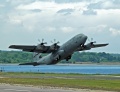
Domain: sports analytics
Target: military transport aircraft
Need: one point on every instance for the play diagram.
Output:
(55, 52)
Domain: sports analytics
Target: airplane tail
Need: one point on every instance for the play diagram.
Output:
(36, 56)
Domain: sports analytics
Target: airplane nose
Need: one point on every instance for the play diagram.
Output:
(84, 38)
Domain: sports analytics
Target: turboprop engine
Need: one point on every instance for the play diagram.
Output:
(41, 46)
(89, 45)
(54, 46)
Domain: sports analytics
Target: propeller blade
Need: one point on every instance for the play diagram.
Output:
(39, 40)
(54, 40)
(88, 39)
(51, 41)
(42, 40)
(41, 43)
(91, 39)
(58, 42)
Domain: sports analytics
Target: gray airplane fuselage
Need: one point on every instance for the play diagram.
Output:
(66, 50)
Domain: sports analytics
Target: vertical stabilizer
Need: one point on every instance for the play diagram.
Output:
(36, 56)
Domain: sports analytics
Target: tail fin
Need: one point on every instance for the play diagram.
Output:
(36, 56)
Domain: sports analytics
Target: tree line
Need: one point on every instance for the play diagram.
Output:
(21, 57)
(15, 57)
(95, 57)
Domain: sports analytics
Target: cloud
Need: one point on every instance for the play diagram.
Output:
(52, 6)
(50, 29)
(104, 30)
(36, 10)
(18, 2)
(67, 29)
(39, 5)
(97, 5)
(114, 32)
(65, 11)
(105, 4)
(2, 5)
(23, 22)
(89, 12)
(68, 1)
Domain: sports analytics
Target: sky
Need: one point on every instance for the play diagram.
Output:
(23, 22)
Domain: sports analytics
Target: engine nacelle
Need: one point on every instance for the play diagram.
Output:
(40, 47)
(88, 46)
(54, 47)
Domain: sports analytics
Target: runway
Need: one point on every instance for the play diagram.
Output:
(21, 88)
(18, 88)
(14, 87)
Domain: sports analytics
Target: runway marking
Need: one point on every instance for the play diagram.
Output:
(17, 90)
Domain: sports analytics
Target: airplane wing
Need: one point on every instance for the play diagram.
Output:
(91, 45)
(98, 45)
(30, 48)
(23, 47)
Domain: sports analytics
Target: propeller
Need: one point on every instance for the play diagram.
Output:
(54, 46)
(90, 44)
(91, 41)
(42, 42)
(55, 43)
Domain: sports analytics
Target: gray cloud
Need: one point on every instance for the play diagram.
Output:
(116, 1)
(68, 1)
(107, 4)
(66, 11)
(89, 12)
(17, 2)
(36, 10)
(97, 5)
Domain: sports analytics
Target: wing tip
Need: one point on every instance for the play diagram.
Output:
(11, 46)
(106, 44)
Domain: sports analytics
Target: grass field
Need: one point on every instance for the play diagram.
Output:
(107, 82)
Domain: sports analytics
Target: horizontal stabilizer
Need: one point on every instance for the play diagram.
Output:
(31, 63)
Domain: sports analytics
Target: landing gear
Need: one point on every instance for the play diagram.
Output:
(69, 57)
(58, 58)
(82, 46)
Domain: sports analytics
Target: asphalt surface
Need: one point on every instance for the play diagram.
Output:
(21, 88)
(18, 88)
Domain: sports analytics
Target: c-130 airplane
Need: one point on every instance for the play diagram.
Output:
(55, 52)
